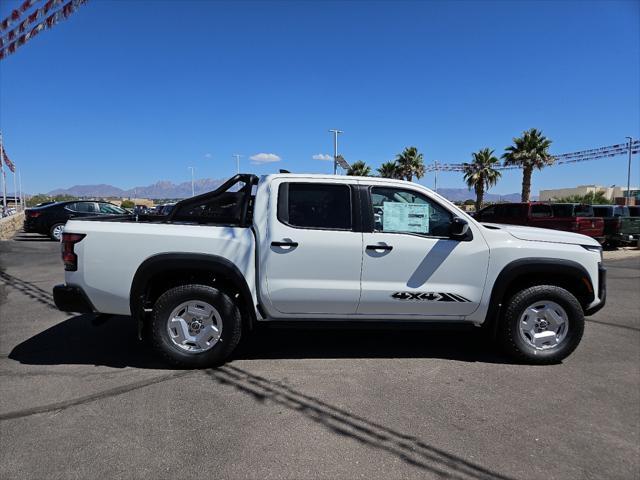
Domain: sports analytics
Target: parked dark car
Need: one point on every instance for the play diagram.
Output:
(50, 219)
(570, 217)
(620, 226)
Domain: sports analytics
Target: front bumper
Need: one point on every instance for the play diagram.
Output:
(602, 292)
(69, 298)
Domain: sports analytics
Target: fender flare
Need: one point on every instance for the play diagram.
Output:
(534, 265)
(197, 262)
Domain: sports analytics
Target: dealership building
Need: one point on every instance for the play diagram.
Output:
(611, 192)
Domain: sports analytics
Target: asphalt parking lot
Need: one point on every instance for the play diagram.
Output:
(80, 398)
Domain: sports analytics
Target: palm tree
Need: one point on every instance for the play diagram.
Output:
(529, 151)
(359, 169)
(481, 174)
(390, 170)
(410, 163)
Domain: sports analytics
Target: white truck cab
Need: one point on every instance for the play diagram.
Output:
(326, 248)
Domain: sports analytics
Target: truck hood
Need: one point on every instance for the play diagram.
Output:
(544, 235)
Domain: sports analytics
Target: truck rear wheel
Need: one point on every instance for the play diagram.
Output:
(195, 326)
(541, 324)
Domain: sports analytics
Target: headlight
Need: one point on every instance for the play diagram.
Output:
(595, 249)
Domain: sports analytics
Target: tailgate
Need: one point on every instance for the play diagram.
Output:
(590, 226)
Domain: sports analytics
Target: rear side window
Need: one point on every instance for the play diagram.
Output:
(560, 210)
(601, 211)
(583, 211)
(83, 207)
(314, 205)
(538, 211)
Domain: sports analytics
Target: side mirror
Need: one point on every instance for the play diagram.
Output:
(459, 229)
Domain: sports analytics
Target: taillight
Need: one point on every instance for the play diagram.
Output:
(69, 257)
(32, 214)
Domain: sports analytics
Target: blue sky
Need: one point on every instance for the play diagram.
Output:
(132, 92)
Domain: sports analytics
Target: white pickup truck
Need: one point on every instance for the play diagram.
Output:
(327, 248)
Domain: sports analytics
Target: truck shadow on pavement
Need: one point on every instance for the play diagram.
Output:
(410, 449)
(91, 340)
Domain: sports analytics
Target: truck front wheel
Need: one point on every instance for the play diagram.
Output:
(195, 326)
(541, 324)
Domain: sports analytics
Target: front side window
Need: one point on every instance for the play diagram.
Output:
(312, 205)
(111, 209)
(486, 213)
(405, 211)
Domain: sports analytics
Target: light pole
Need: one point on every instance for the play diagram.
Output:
(4, 179)
(335, 149)
(20, 188)
(435, 176)
(628, 195)
(237, 157)
(193, 190)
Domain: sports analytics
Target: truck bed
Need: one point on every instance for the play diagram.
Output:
(114, 248)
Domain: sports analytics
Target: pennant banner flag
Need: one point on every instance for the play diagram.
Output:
(16, 14)
(573, 157)
(8, 161)
(26, 30)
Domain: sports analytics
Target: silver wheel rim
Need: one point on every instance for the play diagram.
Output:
(194, 326)
(57, 232)
(544, 325)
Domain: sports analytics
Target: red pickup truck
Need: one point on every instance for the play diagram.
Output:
(570, 217)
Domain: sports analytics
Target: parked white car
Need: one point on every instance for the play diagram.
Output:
(329, 248)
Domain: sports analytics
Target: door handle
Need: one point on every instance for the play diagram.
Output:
(380, 247)
(284, 244)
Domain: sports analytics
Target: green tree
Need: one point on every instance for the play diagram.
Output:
(529, 152)
(390, 170)
(481, 173)
(359, 169)
(41, 198)
(127, 204)
(410, 163)
(592, 198)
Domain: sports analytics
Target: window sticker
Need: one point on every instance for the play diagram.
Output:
(405, 217)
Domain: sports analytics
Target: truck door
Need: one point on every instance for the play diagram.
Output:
(312, 256)
(410, 266)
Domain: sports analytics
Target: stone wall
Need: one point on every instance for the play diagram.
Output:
(10, 225)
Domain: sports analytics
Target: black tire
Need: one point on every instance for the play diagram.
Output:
(508, 328)
(231, 326)
(52, 229)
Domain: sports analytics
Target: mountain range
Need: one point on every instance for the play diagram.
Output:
(161, 189)
(168, 189)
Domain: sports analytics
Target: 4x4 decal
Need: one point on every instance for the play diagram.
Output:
(430, 296)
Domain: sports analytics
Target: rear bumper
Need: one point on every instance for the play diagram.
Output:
(625, 238)
(602, 292)
(69, 298)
